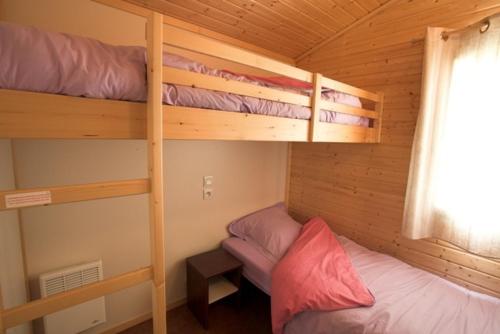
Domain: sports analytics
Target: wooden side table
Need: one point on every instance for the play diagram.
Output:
(211, 276)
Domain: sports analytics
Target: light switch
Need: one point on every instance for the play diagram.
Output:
(208, 181)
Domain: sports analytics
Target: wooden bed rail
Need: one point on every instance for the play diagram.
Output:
(318, 131)
(204, 45)
(154, 36)
(41, 307)
(73, 193)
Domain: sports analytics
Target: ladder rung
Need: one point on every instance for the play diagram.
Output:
(73, 193)
(18, 315)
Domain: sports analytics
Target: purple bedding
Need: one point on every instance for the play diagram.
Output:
(408, 300)
(38, 61)
(256, 267)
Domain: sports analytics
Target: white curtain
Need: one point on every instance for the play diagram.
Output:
(453, 189)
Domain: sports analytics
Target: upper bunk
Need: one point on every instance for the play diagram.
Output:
(26, 114)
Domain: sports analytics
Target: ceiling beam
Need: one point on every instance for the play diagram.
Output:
(343, 31)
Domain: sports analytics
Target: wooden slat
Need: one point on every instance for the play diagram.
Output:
(201, 44)
(194, 123)
(38, 308)
(154, 33)
(379, 108)
(346, 109)
(2, 327)
(456, 280)
(288, 172)
(85, 192)
(348, 89)
(340, 133)
(198, 80)
(141, 11)
(331, 38)
(37, 115)
(28, 115)
(316, 106)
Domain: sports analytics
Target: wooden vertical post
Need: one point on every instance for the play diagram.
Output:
(379, 107)
(2, 327)
(315, 106)
(154, 33)
(288, 174)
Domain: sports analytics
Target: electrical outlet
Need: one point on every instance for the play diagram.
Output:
(208, 190)
(208, 193)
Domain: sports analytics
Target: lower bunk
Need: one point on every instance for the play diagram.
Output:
(407, 299)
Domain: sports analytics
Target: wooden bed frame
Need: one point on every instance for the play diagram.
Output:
(39, 115)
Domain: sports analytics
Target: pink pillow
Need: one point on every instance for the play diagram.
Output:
(270, 230)
(315, 274)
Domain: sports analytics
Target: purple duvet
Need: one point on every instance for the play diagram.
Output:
(47, 62)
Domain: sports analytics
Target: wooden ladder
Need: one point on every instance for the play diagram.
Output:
(154, 186)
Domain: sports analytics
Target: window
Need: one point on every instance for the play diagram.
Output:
(453, 190)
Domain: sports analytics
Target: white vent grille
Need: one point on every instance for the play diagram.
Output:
(76, 318)
(70, 278)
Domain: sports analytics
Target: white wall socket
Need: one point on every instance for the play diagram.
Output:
(207, 193)
(208, 190)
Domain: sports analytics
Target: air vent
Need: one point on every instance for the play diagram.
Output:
(70, 278)
(80, 317)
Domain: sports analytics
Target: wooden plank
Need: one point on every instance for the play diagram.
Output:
(340, 133)
(456, 280)
(346, 109)
(355, 24)
(316, 106)
(83, 192)
(144, 12)
(239, 9)
(198, 80)
(348, 89)
(204, 124)
(457, 256)
(18, 315)
(201, 44)
(284, 43)
(2, 326)
(38, 115)
(288, 173)
(222, 23)
(379, 108)
(154, 35)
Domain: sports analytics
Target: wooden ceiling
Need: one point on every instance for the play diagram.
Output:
(288, 27)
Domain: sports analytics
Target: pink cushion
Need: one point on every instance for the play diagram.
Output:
(315, 274)
(270, 230)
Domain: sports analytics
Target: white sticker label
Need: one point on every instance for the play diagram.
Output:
(20, 200)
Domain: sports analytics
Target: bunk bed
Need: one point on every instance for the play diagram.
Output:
(25, 114)
(43, 115)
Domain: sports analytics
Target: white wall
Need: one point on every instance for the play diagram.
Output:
(12, 279)
(248, 176)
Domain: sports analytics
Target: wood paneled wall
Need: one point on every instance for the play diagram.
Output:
(359, 188)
